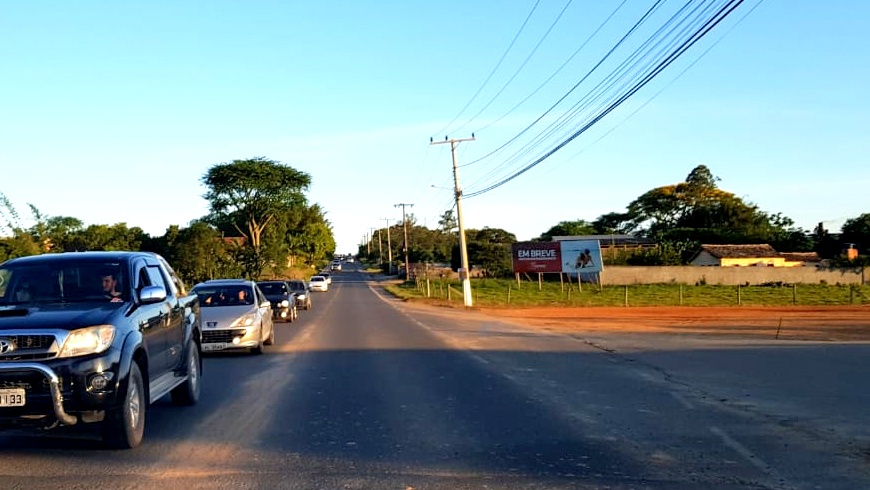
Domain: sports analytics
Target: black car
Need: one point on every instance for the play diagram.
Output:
(95, 337)
(300, 290)
(283, 303)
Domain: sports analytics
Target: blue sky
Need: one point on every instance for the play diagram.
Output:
(112, 111)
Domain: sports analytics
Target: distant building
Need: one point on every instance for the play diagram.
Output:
(752, 255)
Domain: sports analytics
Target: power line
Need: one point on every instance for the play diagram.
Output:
(518, 70)
(698, 34)
(553, 75)
(497, 65)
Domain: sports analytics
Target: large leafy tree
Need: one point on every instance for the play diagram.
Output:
(245, 196)
(698, 211)
(248, 194)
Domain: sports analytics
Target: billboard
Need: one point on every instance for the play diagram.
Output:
(536, 257)
(580, 256)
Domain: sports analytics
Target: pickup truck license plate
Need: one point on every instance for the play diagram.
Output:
(12, 397)
(214, 346)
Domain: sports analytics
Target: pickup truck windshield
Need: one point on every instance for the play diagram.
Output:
(63, 282)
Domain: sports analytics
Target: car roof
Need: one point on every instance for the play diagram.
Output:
(227, 282)
(90, 255)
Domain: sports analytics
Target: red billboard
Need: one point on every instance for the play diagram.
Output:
(536, 257)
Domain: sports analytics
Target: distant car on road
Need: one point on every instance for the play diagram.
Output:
(318, 283)
(282, 299)
(327, 276)
(336, 266)
(235, 315)
(301, 293)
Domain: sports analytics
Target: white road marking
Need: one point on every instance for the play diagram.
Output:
(680, 398)
(741, 450)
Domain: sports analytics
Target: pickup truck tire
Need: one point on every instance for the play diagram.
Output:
(187, 393)
(124, 425)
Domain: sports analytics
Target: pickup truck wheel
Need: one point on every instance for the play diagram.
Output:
(187, 393)
(124, 425)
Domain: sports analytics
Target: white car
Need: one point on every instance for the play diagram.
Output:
(235, 315)
(318, 283)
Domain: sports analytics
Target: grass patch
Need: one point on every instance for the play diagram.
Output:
(504, 292)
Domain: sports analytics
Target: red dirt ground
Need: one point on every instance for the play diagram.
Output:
(840, 323)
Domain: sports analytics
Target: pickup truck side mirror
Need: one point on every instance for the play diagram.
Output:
(152, 294)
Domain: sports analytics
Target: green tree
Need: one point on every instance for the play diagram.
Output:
(613, 224)
(105, 237)
(247, 195)
(448, 222)
(696, 211)
(567, 228)
(857, 231)
(488, 249)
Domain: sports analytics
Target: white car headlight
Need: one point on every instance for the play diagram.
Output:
(246, 320)
(90, 340)
(285, 303)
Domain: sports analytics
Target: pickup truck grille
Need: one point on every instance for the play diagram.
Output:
(28, 347)
(34, 383)
(221, 336)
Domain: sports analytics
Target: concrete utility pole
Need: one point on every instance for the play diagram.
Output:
(463, 246)
(405, 228)
(389, 248)
(380, 249)
(371, 238)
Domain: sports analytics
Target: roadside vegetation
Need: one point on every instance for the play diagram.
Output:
(505, 293)
(260, 225)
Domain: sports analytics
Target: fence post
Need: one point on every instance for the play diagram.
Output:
(626, 295)
(509, 294)
(739, 302)
(851, 294)
(681, 294)
(794, 294)
(449, 298)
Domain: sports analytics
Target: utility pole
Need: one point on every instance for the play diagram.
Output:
(405, 228)
(389, 248)
(380, 249)
(371, 238)
(463, 246)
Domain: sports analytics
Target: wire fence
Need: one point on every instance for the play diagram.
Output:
(496, 292)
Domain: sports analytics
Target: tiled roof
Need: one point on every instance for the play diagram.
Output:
(801, 256)
(751, 251)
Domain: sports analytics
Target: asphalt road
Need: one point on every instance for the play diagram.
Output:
(368, 392)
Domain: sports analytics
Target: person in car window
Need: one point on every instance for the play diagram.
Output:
(110, 287)
(24, 293)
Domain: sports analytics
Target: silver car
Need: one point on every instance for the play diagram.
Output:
(235, 315)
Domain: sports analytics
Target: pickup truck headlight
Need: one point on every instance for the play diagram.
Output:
(285, 303)
(301, 295)
(90, 340)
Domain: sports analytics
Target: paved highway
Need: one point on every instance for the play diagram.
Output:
(368, 392)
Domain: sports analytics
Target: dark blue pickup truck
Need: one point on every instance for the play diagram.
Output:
(95, 337)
